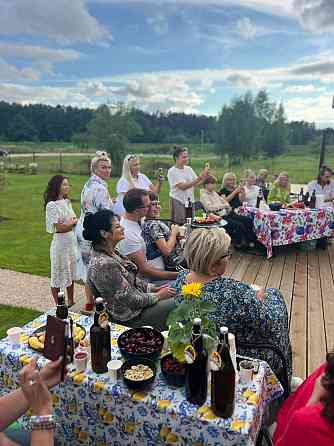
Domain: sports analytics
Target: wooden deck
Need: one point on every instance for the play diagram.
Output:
(306, 281)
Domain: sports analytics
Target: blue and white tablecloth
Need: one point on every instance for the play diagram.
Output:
(91, 410)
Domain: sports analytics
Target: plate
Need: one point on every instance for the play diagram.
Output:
(215, 224)
(37, 335)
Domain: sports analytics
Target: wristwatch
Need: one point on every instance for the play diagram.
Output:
(42, 422)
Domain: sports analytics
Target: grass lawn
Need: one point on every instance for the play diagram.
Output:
(14, 317)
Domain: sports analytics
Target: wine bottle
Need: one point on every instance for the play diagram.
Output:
(196, 356)
(189, 209)
(100, 338)
(313, 200)
(222, 378)
(301, 196)
(62, 310)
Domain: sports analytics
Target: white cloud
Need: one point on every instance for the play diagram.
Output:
(316, 15)
(63, 21)
(35, 52)
(159, 23)
(10, 72)
(307, 89)
(246, 28)
(315, 109)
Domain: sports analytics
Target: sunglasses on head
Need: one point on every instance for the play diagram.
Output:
(228, 254)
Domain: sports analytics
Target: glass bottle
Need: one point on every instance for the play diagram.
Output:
(196, 379)
(189, 209)
(100, 338)
(62, 310)
(313, 200)
(223, 378)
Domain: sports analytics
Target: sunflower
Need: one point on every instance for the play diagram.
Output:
(193, 289)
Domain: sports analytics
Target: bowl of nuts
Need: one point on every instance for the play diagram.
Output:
(138, 373)
(141, 342)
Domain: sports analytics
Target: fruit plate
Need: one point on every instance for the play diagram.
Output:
(214, 224)
(141, 342)
(37, 338)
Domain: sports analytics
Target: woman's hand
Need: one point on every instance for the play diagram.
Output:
(35, 391)
(318, 392)
(73, 221)
(261, 294)
(51, 372)
(166, 292)
(175, 229)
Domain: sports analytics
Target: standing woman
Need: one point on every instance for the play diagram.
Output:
(94, 197)
(60, 221)
(132, 178)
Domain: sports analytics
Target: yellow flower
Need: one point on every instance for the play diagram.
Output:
(164, 404)
(237, 425)
(164, 431)
(193, 289)
(171, 438)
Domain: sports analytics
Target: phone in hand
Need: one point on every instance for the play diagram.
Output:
(207, 165)
(55, 341)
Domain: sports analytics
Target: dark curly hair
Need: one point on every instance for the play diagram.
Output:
(95, 223)
(327, 382)
(53, 189)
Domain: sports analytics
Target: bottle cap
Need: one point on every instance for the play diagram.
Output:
(223, 330)
(61, 294)
(99, 304)
(197, 321)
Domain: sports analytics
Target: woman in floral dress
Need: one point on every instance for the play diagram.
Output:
(253, 316)
(94, 197)
(60, 221)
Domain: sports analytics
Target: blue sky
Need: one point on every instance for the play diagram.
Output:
(177, 55)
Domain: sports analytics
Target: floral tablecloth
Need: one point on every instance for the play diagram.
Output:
(91, 410)
(290, 226)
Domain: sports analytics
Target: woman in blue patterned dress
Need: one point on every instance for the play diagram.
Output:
(94, 197)
(253, 316)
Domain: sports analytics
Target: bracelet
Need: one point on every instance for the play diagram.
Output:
(42, 422)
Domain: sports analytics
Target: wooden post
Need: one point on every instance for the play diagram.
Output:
(323, 148)
(60, 162)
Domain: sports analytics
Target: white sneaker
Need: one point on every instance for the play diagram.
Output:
(295, 383)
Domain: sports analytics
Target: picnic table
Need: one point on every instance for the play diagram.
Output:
(288, 226)
(91, 410)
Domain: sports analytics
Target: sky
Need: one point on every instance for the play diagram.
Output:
(189, 56)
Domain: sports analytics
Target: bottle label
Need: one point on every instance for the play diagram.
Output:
(215, 362)
(103, 320)
(190, 354)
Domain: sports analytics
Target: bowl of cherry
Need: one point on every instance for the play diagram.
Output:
(173, 370)
(141, 342)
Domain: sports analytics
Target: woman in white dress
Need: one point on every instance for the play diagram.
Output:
(94, 197)
(132, 178)
(251, 189)
(60, 221)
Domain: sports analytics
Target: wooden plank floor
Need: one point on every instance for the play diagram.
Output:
(305, 279)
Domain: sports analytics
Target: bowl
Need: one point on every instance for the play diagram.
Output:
(172, 376)
(141, 342)
(144, 383)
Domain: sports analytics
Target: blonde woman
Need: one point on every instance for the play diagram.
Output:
(280, 191)
(94, 197)
(132, 178)
(251, 190)
(234, 194)
(254, 317)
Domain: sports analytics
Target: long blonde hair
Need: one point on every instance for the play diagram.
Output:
(277, 181)
(126, 171)
(226, 176)
(99, 156)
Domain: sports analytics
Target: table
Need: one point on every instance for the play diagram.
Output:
(287, 226)
(97, 412)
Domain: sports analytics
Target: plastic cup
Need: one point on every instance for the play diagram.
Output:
(113, 366)
(246, 371)
(14, 334)
(80, 360)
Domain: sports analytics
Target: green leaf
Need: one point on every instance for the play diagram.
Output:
(207, 307)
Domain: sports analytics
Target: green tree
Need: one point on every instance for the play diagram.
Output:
(21, 129)
(110, 130)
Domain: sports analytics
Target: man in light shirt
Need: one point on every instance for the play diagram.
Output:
(323, 185)
(136, 203)
(182, 182)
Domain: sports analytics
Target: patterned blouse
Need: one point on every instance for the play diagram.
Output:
(251, 320)
(153, 230)
(113, 278)
(279, 194)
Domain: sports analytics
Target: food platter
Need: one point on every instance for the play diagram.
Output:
(37, 338)
(215, 224)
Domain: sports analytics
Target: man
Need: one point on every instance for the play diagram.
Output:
(136, 203)
(323, 185)
(182, 182)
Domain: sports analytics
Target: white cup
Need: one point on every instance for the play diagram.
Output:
(113, 366)
(246, 371)
(14, 334)
(80, 360)
(320, 201)
(182, 231)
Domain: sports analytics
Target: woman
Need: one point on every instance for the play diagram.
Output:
(323, 185)
(261, 181)
(162, 242)
(94, 197)
(279, 194)
(235, 196)
(254, 317)
(130, 300)
(251, 189)
(132, 178)
(307, 416)
(60, 221)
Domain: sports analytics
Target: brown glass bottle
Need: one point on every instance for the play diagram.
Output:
(189, 209)
(100, 338)
(223, 380)
(62, 310)
(196, 379)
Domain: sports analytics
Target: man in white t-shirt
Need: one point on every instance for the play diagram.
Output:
(182, 182)
(323, 185)
(136, 203)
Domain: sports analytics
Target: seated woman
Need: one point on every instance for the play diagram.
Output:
(235, 196)
(307, 416)
(254, 317)
(261, 181)
(161, 241)
(251, 189)
(279, 194)
(129, 300)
